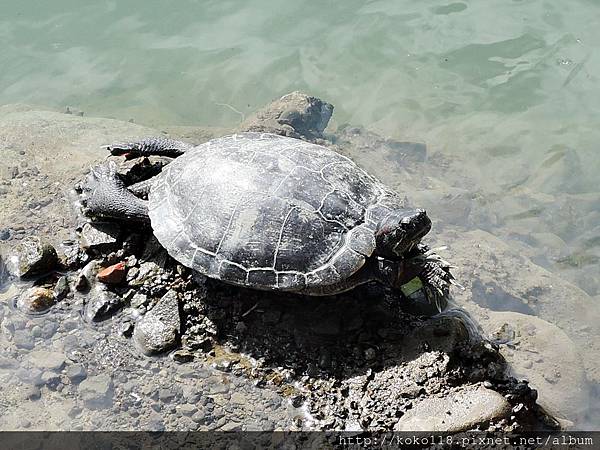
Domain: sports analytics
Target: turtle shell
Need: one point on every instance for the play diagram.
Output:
(268, 212)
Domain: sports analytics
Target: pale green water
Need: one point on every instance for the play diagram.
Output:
(511, 87)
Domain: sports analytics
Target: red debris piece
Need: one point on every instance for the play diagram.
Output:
(114, 274)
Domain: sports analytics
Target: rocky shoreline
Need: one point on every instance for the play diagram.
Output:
(132, 340)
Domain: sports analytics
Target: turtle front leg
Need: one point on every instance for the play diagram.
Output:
(150, 146)
(422, 276)
(104, 194)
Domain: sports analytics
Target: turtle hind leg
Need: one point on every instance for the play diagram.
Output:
(150, 146)
(104, 194)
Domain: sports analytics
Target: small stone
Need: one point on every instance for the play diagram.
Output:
(76, 373)
(370, 354)
(4, 234)
(32, 393)
(97, 391)
(35, 256)
(74, 411)
(102, 304)
(114, 274)
(158, 330)
(240, 327)
(86, 275)
(146, 271)
(165, 395)
(139, 300)
(53, 361)
(126, 329)
(22, 339)
(50, 378)
(36, 300)
(61, 288)
(199, 417)
(187, 410)
(230, 426)
(99, 236)
(49, 329)
(182, 356)
(216, 386)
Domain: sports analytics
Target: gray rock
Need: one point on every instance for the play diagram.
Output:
(187, 410)
(4, 234)
(99, 235)
(139, 300)
(146, 271)
(216, 386)
(295, 115)
(101, 304)
(35, 256)
(165, 395)
(461, 410)
(49, 329)
(158, 330)
(50, 378)
(22, 339)
(32, 393)
(53, 361)
(6, 363)
(61, 288)
(3, 270)
(86, 275)
(199, 417)
(76, 373)
(97, 391)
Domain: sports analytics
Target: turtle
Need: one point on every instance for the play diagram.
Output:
(271, 212)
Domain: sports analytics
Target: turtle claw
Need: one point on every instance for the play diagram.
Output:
(98, 184)
(103, 193)
(120, 148)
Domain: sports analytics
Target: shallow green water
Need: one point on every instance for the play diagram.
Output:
(511, 88)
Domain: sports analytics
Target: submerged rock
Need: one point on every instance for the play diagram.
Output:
(461, 410)
(158, 330)
(36, 300)
(544, 355)
(53, 361)
(97, 391)
(35, 256)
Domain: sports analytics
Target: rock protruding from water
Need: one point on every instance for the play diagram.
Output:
(461, 410)
(36, 300)
(35, 256)
(158, 330)
(295, 115)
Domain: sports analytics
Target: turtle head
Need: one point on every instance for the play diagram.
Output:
(399, 232)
